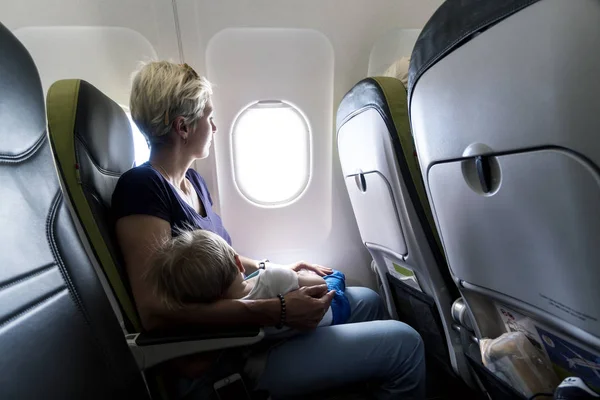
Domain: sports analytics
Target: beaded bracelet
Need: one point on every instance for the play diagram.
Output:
(283, 315)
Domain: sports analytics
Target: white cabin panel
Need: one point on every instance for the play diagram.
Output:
(288, 65)
(103, 56)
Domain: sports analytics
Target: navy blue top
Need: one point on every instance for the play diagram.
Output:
(143, 190)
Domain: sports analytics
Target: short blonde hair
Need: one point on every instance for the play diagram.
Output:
(162, 91)
(194, 267)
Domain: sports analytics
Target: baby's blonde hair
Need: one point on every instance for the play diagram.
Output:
(162, 91)
(194, 267)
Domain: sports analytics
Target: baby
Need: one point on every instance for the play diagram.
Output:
(201, 267)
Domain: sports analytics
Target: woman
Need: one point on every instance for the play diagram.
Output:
(171, 105)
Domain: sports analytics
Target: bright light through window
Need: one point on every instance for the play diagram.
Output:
(142, 151)
(271, 153)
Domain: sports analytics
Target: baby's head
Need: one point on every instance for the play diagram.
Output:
(194, 267)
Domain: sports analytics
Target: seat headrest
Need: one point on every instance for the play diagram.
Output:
(100, 124)
(368, 93)
(105, 130)
(22, 110)
(453, 24)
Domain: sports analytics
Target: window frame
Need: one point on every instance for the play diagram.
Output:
(309, 157)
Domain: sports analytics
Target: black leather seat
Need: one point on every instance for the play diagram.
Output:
(59, 338)
(93, 145)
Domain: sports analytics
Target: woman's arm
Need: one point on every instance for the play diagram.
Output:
(140, 235)
(249, 264)
(305, 308)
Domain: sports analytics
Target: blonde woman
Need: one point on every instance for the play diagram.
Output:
(171, 104)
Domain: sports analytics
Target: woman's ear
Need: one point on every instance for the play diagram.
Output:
(239, 264)
(181, 127)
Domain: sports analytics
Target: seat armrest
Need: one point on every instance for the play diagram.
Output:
(155, 347)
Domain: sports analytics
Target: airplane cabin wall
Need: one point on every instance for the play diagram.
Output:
(351, 28)
(390, 47)
(149, 32)
(245, 68)
(102, 55)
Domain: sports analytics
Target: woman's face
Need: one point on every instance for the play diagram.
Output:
(201, 138)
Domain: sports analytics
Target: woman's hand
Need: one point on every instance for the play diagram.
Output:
(306, 306)
(318, 269)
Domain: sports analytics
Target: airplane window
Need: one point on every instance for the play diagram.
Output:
(271, 153)
(142, 151)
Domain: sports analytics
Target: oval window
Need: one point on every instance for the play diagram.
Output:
(271, 153)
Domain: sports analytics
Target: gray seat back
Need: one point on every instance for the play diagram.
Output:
(59, 338)
(392, 212)
(505, 112)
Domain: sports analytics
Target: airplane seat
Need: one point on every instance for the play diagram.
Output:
(92, 140)
(504, 109)
(59, 337)
(392, 213)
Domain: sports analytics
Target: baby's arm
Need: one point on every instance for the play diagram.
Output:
(310, 280)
